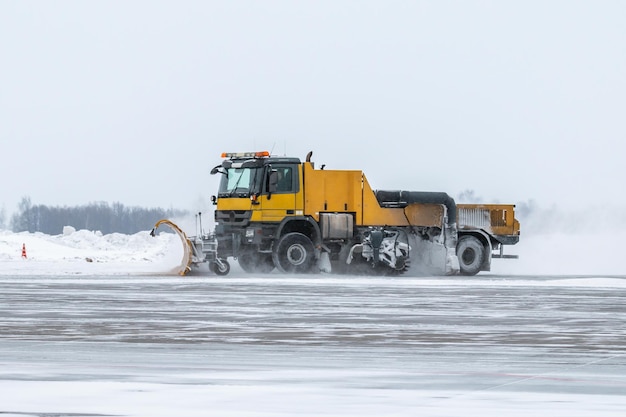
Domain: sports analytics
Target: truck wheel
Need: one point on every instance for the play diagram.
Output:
(252, 262)
(294, 253)
(224, 270)
(471, 254)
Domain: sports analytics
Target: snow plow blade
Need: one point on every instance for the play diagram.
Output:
(185, 265)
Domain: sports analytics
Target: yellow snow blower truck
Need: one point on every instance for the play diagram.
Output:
(279, 212)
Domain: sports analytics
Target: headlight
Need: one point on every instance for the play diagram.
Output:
(250, 233)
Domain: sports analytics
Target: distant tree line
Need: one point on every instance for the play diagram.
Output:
(107, 218)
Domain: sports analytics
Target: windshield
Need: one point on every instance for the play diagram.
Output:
(240, 182)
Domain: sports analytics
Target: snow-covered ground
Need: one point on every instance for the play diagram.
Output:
(150, 346)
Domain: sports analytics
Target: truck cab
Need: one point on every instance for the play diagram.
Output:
(257, 193)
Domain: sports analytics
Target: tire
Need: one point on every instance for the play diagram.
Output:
(252, 262)
(471, 254)
(215, 268)
(294, 253)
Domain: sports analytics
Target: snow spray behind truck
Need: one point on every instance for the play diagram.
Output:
(279, 212)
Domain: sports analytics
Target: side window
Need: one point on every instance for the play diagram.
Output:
(285, 179)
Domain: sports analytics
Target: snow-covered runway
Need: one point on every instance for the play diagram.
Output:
(313, 345)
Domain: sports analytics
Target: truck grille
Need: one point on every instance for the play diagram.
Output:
(233, 217)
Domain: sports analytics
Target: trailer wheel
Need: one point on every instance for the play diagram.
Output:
(252, 262)
(294, 253)
(471, 254)
(223, 270)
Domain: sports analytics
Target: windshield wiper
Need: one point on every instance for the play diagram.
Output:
(236, 185)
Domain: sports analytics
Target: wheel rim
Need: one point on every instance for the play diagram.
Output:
(296, 254)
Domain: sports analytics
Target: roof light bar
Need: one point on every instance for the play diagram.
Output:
(260, 154)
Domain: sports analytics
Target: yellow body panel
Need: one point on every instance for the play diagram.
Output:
(428, 215)
(345, 191)
(234, 204)
(331, 191)
(375, 215)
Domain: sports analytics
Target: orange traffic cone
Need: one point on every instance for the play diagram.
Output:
(24, 251)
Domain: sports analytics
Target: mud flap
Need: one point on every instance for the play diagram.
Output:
(324, 263)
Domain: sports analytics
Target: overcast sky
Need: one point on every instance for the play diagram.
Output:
(133, 101)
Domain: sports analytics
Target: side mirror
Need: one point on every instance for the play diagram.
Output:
(214, 200)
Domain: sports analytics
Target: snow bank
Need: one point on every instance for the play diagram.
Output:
(87, 252)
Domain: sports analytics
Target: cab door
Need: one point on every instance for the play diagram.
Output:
(281, 202)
